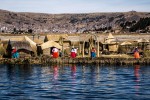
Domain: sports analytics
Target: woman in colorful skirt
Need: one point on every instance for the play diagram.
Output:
(55, 53)
(136, 53)
(73, 53)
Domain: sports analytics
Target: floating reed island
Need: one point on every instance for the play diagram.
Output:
(47, 60)
(37, 49)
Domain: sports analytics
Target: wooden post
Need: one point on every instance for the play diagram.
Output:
(89, 53)
(83, 49)
(97, 48)
(80, 47)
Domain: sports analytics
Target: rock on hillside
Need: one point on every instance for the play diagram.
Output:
(68, 23)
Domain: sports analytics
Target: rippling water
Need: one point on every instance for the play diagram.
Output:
(74, 82)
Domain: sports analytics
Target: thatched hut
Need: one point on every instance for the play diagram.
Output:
(83, 42)
(125, 47)
(111, 44)
(25, 46)
(142, 43)
(46, 47)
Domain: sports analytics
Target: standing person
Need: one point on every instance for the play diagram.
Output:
(136, 53)
(15, 54)
(73, 53)
(93, 52)
(55, 52)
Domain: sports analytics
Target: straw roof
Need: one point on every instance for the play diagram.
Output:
(55, 37)
(110, 38)
(73, 38)
(21, 45)
(142, 40)
(38, 41)
(126, 43)
(49, 44)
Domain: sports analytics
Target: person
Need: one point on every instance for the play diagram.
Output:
(136, 53)
(15, 53)
(55, 53)
(73, 53)
(76, 51)
(93, 52)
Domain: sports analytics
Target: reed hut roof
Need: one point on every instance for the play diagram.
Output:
(142, 40)
(77, 38)
(17, 39)
(56, 37)
(21, 45)
(23, 41)
(126, 43)
(73, 38)
(110, 38)
(49, 44)
(38, 41)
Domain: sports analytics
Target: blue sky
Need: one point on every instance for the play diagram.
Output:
(75, 6)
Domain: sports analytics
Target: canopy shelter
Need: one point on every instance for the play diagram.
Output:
(45, 48)
(54, 37)
(126, 45)
(143, 43)
(49, 44)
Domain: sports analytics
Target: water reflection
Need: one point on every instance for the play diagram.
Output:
(55, 72)
(73, 71)
(18, 71)
(74, 82)
(137, 78)
(136, 72)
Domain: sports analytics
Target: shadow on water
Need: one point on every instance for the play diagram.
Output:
(18, 71)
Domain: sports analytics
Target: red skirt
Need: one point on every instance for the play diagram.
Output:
(73, 54)
(55, 54)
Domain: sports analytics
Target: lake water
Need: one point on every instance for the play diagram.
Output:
(73, 82)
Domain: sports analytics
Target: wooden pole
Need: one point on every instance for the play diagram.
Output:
(97, 48)
(83, 49)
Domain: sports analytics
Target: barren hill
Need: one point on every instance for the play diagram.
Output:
(70, 23)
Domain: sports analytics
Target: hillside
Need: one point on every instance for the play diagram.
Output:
(73, 23)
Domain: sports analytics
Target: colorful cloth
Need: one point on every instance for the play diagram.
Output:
(73, 53)
(15, 55)
(55, 53)
(136, 55)
(93, 53)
